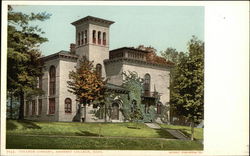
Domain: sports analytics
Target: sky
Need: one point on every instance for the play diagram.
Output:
(158, 26)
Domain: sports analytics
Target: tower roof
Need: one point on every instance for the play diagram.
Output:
(92, 19)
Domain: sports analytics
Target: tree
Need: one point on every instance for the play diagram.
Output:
(85, 83)
(187, 84)
(23, 63)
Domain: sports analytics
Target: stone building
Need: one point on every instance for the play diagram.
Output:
(92, 41)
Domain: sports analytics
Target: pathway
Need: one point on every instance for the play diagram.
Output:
(176, 133)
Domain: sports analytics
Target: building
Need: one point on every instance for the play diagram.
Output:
(92, 41)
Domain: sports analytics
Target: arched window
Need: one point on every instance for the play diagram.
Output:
(82, 37)
(104, 38)
(94, 36)
(147, 85)
(79, 38)
(99, 37)
(99, 70)
(52, 80)
(159, 105)
(68, 105)
(85, 36)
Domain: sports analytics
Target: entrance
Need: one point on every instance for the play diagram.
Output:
(115, 111)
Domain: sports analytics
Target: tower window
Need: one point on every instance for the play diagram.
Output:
(52, 80)
(68, 105)
(99, 37)
(147, 85)
(99, 70)
(94, 36)
(104, 38)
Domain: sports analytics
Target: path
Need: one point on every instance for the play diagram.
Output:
(176, 133)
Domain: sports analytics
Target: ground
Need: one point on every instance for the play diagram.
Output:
(123, 136)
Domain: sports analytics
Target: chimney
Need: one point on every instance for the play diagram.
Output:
(72, 48)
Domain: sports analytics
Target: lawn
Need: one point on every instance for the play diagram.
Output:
(84, 129)
(28, 142)
(116, 136)
(198, 132)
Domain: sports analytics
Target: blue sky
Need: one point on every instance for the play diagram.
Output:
(157, 26)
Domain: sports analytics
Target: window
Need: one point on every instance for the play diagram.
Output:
(85, 36)
(79, 39)
(99, 37)
(94, 36)
(99, 70)
(159, 108)
(68, 105)
(33, 107)
(40, 82)
(147, 85)
(27, 108)
(40, 106)
(82, 36)
(52, 106)
(104, 38)
(52, 80)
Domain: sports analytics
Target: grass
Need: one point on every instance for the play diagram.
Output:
(84, 129)
(20, 142)
(115, 136)
(198, 132)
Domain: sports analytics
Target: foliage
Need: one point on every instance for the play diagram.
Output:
(187, 83)
(23, 63)
(85, 83)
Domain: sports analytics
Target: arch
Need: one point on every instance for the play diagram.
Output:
(68, 105)
(52, 80)
(94, 36)
(146, 86)
(104, 38)
(115, 111)
(99, 70)
(99, 37)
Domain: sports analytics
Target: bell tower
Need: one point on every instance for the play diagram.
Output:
(92, 40)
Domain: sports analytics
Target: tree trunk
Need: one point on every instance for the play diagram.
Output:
(192, 130)
(21, 108)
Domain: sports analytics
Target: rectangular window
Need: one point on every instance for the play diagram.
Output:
(27, 108)
(33, 107)
(52, 106)
(40, 106)
(40, 81)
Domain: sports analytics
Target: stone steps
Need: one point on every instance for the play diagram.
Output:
(177, 134)
(153, 125)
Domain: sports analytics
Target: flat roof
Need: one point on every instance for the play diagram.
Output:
(94, 19)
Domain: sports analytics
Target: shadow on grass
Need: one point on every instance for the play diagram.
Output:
(164, 134)
(133, 127)
(10, 125)
(28, 124)
(86, 133)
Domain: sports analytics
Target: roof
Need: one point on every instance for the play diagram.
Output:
(62, 53)
(94, 19)
(116, 88)
(129, 48)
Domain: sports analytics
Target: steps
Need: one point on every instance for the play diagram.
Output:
(177, 134)
(153, 125)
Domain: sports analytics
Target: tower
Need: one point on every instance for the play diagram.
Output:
(92, 40)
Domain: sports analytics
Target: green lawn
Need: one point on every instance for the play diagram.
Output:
(28, 142)
(84, 129)
(62, 135)
(198, 132)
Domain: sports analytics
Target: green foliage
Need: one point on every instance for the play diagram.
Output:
(85, 83)
(24, 65)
